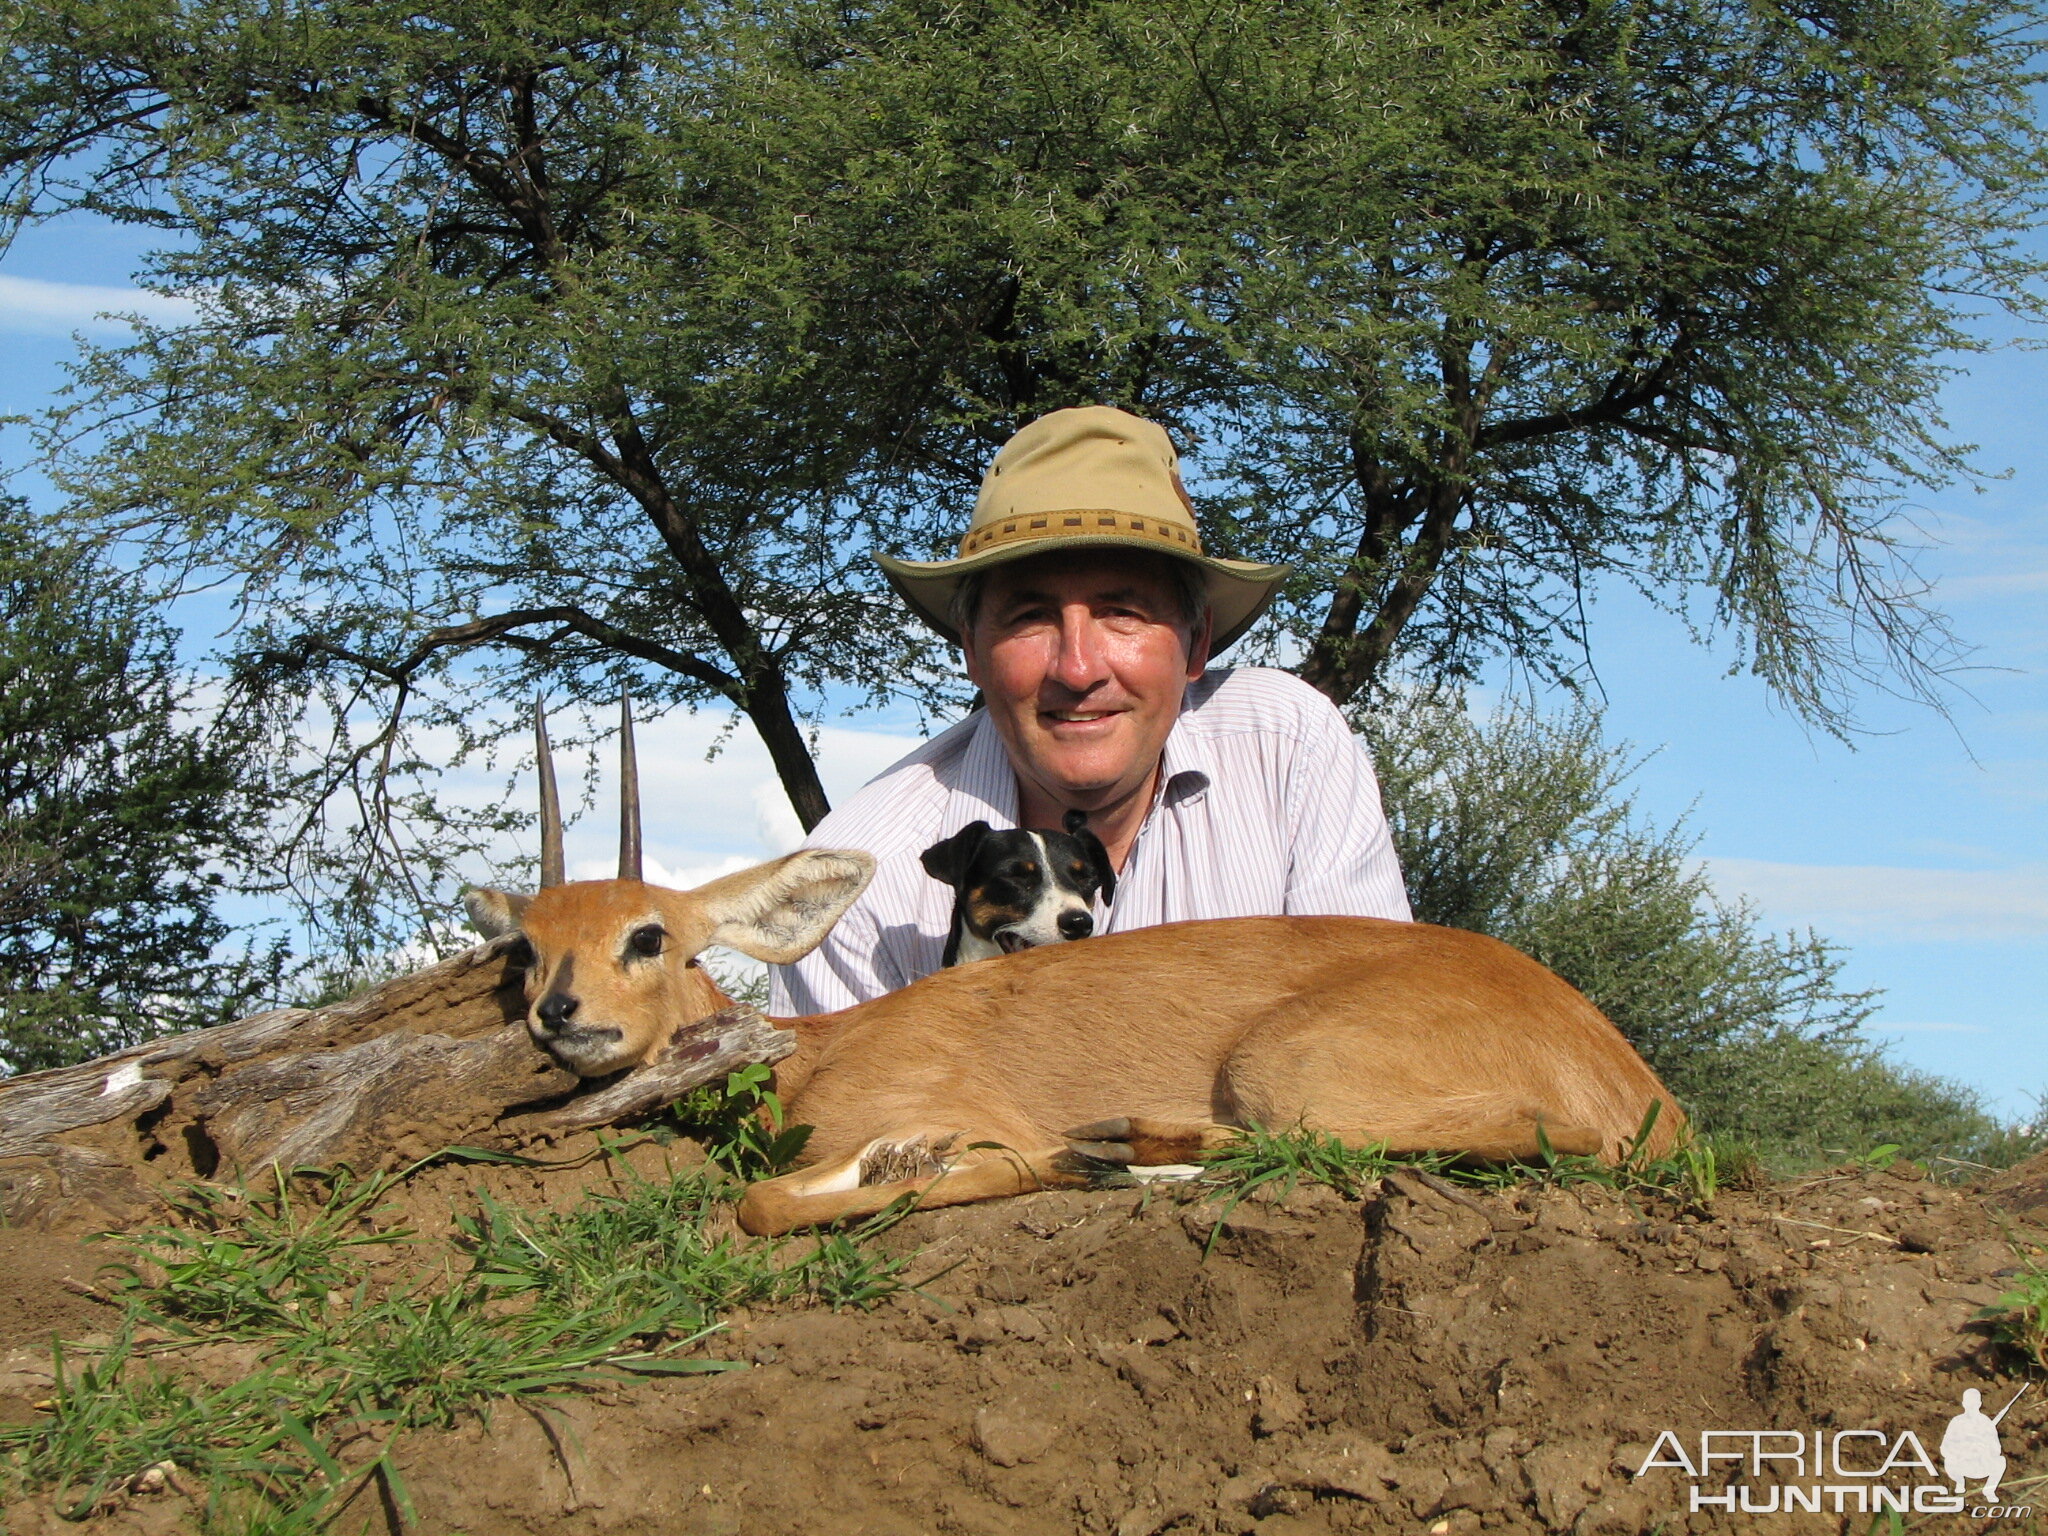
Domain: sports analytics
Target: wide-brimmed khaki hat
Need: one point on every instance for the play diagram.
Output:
(1090, 478)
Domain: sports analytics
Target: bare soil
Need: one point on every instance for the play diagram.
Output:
(1426, 1359)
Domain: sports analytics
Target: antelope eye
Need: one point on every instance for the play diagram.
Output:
(646, 941)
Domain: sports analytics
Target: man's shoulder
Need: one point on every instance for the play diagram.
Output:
(1227, 701)
(897, 811)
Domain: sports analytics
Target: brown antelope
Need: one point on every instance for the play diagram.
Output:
(1017, 1073)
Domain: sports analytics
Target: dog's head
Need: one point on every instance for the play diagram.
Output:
(1017, 889)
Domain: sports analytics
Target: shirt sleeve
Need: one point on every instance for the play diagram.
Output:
(1342, 861)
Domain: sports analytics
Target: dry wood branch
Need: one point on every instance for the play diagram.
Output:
(434, 1059)
(700, 1054)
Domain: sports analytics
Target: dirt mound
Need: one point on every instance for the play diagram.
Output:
(1429, 1358)
(1426, 1359)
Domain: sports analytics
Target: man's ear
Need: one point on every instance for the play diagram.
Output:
(494, 913)
(778, 912)
(1076, 823)
(947, 862)
(1198, 646)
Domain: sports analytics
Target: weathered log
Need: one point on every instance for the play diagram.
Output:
(433, 1059)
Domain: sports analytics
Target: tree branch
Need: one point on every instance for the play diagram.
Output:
(1624, 394)
(500, 626)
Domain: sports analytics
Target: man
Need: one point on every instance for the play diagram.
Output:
(1087, 614)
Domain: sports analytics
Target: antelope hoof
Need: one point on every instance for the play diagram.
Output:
(1115, 1128)
(1131, 1139)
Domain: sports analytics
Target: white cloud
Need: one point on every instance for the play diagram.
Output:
(775, 819)
(1877, 902)
(33, 306)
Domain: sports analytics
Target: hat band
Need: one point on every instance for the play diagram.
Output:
(1059, 525)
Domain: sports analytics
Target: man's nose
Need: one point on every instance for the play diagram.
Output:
(1079, 665)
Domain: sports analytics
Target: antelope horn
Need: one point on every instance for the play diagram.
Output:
(629, 793)
(552, 870)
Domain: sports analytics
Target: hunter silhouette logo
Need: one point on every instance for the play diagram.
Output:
(1970, 1448)
(1844, 1471)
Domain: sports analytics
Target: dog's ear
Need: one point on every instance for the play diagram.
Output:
(1076, 823)
(947, 862)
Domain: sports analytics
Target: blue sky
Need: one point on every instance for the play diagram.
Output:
(1922, 847)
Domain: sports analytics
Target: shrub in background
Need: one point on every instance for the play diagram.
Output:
(1521, 826)
(123, 813)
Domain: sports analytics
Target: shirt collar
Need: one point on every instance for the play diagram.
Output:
(1186, 766)
(986, 788)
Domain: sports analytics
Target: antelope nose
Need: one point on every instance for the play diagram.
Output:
(556, 1009)
(1076, 925)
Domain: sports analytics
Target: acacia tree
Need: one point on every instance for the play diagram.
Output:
(1674, 308)
(1481, 305)
(569, 346)
(491, 355)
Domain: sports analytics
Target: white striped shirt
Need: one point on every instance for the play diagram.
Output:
(1267, 805)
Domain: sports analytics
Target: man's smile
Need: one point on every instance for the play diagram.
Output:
(1078, 723)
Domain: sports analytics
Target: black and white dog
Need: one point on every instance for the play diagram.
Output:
(1016, 890)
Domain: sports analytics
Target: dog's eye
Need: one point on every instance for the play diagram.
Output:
(646, 941)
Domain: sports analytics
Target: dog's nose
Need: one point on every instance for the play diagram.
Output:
(1076, 925)
(556, 1009)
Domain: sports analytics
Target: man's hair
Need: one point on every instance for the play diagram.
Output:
(1190, 589)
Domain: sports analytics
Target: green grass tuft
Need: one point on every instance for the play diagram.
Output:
(1278, 1162)
(524, 1304)
(2019, 1318)
(741, 1125)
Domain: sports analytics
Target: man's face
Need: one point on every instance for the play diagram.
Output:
(1083, 659)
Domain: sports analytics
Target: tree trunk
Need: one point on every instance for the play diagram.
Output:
(768, 707)
(428, 1061)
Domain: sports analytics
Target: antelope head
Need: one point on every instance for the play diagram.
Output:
(611, 968)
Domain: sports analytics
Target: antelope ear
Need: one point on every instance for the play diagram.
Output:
(778, 912)
(494, 913)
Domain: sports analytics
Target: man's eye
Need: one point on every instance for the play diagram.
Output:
(646, 941)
